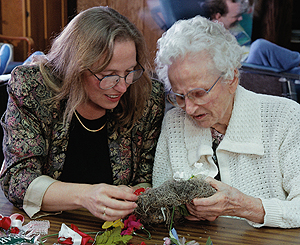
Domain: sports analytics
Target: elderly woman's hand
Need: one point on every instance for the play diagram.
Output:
(228, 201)
(109, 202)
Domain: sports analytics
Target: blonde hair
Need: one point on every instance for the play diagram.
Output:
(91, 35)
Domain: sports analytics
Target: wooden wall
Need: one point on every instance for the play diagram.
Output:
(38, 19)
(137, 11)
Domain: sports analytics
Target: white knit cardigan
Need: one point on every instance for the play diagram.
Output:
(259, 155)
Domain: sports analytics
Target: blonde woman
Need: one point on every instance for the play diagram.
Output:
(82, 122)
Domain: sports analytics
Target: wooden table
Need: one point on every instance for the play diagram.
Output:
(222, 231)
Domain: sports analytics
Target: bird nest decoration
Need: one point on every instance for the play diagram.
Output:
(156, 205)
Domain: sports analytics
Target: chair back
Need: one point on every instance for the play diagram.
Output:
(23, 46)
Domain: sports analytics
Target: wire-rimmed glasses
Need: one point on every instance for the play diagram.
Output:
(199, 96)
(110, 81)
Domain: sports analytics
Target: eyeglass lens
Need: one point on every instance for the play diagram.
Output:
(110, 81)
(198, 96)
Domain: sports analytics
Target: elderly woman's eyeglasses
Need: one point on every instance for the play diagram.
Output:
(199, 96)
(110, 81)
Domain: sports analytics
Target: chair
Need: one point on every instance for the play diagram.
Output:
(15, 41)
(6, 55)
(269, 80)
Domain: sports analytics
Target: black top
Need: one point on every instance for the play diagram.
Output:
(87, 158)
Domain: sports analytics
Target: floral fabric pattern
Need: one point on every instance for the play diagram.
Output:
(35, 141)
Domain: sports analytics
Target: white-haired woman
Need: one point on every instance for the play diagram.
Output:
(246, 143)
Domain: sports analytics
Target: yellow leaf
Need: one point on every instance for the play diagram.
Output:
(107, 224)
(118, 223)
(115, 223)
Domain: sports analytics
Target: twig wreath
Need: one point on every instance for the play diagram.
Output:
(156, 205)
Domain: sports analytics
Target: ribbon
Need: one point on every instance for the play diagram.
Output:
(36, 227)
(14, 221)
(85, 238)
(17, 240)
(17, 220)
(72, 236)
(66, 233)
(68, 240)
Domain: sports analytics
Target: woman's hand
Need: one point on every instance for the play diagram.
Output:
(227, 201)
(109, 202)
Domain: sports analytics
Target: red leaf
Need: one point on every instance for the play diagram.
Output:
(139, 191)
(5, 223)
(15, 230)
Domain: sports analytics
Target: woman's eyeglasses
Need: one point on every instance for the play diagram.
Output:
(199, 96)
(110, 81)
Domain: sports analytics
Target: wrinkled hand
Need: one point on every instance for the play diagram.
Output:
(109, 202)
(227, 201)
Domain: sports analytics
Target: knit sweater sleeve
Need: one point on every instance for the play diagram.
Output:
(278, 212)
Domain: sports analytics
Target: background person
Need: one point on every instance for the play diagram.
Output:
(261, 51)
(246, 140)
(83, 123)
(236, 16)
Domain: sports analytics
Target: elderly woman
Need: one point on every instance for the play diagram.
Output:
(246, 143)
(81, 125)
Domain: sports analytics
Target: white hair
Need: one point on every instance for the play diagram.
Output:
(193, 36)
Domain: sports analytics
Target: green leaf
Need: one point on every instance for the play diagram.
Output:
(173, 239)
(209, 241)
(113, 237)
(183, 210)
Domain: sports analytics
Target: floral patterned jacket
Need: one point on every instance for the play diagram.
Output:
(35, 140)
